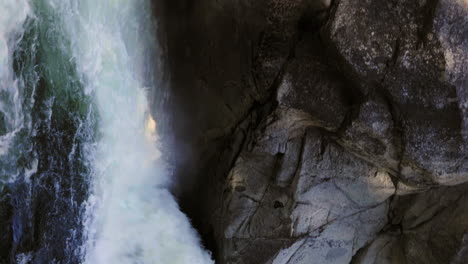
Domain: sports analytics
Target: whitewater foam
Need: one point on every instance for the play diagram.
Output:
(14, 15)
(131, 217)
(12, 115)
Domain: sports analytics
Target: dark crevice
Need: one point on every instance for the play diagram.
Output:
(252, 120)
(398, 131)
(278, 204)
(428, 21)
(298, 167)
(395, 55)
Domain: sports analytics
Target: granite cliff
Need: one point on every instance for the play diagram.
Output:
(319, 131)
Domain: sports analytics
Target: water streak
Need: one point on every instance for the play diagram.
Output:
(131, 216)
(12, 119)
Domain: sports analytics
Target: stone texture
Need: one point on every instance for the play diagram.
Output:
(372, 134)
(296, 186)
(313, 131)
(310, 85)
(428, 228)
(401, 49)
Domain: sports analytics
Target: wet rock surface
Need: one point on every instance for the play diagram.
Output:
(320, 131)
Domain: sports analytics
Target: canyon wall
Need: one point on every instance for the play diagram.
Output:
(318, 131)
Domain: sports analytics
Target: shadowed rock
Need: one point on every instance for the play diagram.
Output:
(321, 131)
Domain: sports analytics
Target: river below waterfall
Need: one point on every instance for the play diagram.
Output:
(81, 178)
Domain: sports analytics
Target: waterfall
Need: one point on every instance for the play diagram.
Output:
(93, 64)
(12, 90)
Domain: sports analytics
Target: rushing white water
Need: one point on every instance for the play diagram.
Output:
(13, 15)
(88, 59)
(131, 217)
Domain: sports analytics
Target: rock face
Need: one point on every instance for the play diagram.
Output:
(302, 194)
(414, 53)
(314, 131)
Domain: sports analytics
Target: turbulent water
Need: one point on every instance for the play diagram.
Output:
(80, 176)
